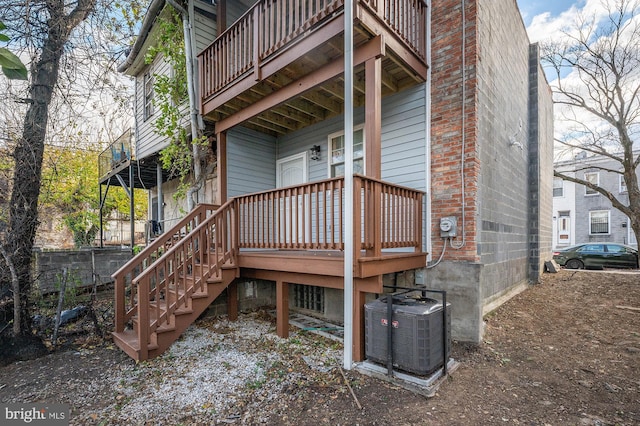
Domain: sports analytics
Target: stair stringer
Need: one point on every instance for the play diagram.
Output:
(180, 320)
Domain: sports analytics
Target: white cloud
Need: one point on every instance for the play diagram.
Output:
(545, 26)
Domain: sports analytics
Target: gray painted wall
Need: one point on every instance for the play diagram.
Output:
(252, 155)
(403, 139)
(251, 158)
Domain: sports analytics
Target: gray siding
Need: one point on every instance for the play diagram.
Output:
(147, 141)
(251, 158)
(403, 139)
(204, 24)
(235, 9)
(587, 203)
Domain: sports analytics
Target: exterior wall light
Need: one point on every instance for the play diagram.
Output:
(315, 152)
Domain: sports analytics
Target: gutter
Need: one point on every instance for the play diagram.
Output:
(150, 17)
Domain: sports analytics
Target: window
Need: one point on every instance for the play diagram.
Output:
(623, 185)
(558, 187)
(594, 178)
(336, 152)
(148, 95)
(592, 248)
(613, 248)
(599, 222)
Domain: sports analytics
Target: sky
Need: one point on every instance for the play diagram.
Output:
(531, 8)
(545, 18)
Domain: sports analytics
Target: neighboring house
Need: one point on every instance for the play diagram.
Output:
(582, 215)
(444, 113)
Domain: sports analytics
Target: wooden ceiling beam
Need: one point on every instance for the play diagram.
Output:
(259, 121)
(372, 49)
(305, 107)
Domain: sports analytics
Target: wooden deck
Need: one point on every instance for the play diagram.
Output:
(324, 263)
(279, 68)
(290, 235)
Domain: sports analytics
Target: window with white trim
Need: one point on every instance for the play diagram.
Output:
(599, 222)
(558, 187)
(148, 95)
(593, 178)
(336, 152)
(623, 185)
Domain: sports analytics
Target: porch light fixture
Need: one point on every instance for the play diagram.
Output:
(315, 152)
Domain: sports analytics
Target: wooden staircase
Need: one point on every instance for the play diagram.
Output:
(166, 287)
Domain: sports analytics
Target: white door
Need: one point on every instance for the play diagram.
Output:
(564, 229)
(291, 171)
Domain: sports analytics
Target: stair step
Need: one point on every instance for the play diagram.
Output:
(183, 311)
(127, 340)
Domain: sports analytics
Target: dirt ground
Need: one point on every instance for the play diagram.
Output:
(564, 352)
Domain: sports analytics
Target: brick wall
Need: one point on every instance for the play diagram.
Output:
(447, 124)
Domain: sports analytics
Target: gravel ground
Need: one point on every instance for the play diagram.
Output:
(564, 352)
(217, 368)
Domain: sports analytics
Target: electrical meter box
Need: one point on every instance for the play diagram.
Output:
(448, 227)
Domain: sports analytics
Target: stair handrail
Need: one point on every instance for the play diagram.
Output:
(156, 248)
(173, 275)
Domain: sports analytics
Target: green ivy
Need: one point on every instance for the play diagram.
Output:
(170, 94)
(84, 225)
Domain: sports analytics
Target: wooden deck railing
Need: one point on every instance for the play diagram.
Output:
(125, 278)
(271, 25)
(407, 19)
(163, 277)
(311, 216)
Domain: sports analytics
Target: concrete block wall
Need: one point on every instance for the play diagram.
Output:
(540, 168)
(503, 100)
(81, 266)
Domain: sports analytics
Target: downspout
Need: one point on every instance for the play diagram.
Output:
(349, 244)
(193, 108)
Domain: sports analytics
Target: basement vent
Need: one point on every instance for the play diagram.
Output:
(308, 297)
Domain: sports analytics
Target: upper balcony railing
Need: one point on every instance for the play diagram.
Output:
(271, 25)
(119, 152)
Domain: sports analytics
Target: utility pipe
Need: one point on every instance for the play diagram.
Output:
(193, 108)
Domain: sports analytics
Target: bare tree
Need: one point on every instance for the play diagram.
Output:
(60, 37)
(597, 92)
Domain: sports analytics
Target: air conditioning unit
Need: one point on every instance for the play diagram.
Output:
(417, 333)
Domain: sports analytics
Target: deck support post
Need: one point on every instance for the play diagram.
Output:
(221, 18)
(359, 298)
(232, 301)
(373, 117)
(221, 158)
(282, 309)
